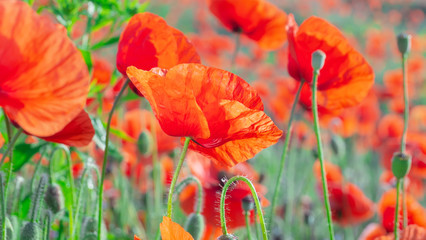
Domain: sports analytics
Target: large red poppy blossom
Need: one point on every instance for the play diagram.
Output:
(220, 111)
(349, 205)
(346, 77)
(416, 214)
(173, 231)
(257, 19)
(43, 78)
(148, 42)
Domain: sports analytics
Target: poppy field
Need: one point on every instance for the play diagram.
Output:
(212, 119)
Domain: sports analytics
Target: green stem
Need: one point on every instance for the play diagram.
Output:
(184, 183)
(3, 208)
(101, 187)
(284, 155)
(246, 217)
(46, 225)
(10, 146)
(406, 103)
(175, 177)
(396, 223)
(70, 206)
(320, 153)
(256, 201)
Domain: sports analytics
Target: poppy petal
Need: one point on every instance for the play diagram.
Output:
(175, 106)
(173, 231)
(78, 133)
(44, 79)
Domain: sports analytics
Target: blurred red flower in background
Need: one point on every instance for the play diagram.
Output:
(346, 77)
(349, 205)
(221, 112)
(416, 214)
(257, 19)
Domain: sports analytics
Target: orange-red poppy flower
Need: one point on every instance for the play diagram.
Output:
(136, 238)
(44, 79)
(257, 19)
(349, 205)
(221, 112)
(148, 42)
(173, 231)
(416, 214)
(345, 78)
(372, 231)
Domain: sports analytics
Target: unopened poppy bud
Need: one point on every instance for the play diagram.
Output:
(89, 226)
(318, 59)
(145, 143)
(195, 225)
(401, 164)
(227, 237)
(30, 232)
(404, 43)
(247, 203)
(338, 145)
(54, 198)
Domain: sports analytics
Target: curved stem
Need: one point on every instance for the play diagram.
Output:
(256, 201)
(247, 220)
(175, 177)
(284, 155)
(320, 153)
(396, 228)
(184, 183)
(71, 182)
(10, 146)
(101, 187)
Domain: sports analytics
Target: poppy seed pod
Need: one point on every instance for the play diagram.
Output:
(30, 231)
(247, 203)
(401, 164)
(195, 225)
(227, 237)
(318, 59)
(404, 43)
(54, 198)
(145, 142)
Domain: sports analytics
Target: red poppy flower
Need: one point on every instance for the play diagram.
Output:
(257, 19)
(349, 205)
(148, 42)
(220, 111)
(372, 231)
(44, 79)
(345, 78)
(136, 238)
(173, 231)
(416, 214)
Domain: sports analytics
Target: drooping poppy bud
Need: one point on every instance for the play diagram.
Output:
(247, 203)
(227, 237)
(54, 198)
(145, 143)
(318, 59)
(30, 231)
(404, 43)
(195, 225)
(401, 164)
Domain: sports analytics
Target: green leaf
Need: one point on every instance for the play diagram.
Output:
(23, 153)
(87, 58)
(105, 43)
